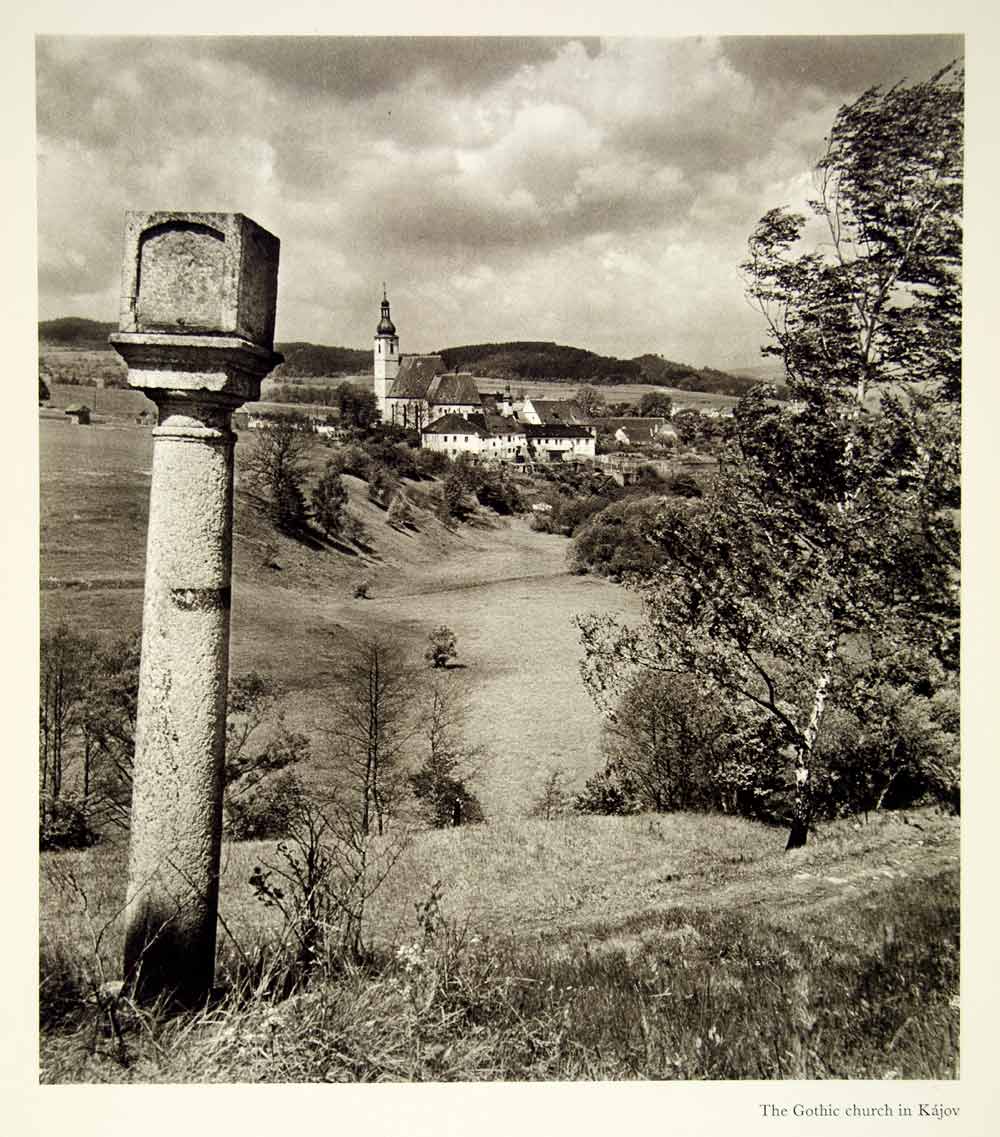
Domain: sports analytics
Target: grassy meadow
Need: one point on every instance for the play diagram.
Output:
(654, 946)
(671, 947)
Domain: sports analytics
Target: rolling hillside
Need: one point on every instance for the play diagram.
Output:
(520, 361)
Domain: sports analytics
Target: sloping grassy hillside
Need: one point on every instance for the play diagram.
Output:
(504, 589)
(641, 947)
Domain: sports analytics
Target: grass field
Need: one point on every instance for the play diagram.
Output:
(592, 948)
(656, 946)
(505, 591)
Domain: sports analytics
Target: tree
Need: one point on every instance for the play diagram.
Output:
(357, 405)
(65, 665)
(591, 402)
(400, 513)
(43, 388)
(440, 785)
(254, 713)
(382, 485)
(441, 646)
(329, 501)
(88, 701)
(552, 802)
(656, 404)
(831, 530)
(370, 726)
(675, 750)
(276, 467)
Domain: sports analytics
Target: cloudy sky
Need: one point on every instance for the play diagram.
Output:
(596, 193)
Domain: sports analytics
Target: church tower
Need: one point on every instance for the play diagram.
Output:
(386, 353)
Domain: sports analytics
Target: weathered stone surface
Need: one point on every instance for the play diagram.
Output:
(201, 273)
(197, 327)
(180, 730)
(219, 365)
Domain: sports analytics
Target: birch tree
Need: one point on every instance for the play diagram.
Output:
(830, 534)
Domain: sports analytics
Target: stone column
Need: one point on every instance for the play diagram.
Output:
(196, 330)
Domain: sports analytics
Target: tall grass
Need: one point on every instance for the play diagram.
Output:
(829, 963)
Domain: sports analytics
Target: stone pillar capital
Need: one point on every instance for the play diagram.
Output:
(221, 370)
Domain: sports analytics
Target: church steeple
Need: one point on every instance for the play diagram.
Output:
(385, 326)
(386, 354)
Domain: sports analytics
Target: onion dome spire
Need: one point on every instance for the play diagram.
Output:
(385, 326)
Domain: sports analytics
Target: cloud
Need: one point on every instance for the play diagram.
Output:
(844, 65)
(600, 195)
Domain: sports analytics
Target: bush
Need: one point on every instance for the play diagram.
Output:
(672, 746)
(400, 512)
(329, 501)
(456, 503)
(683, 485)
(382, 485)
(445, 799)
(64, 824)
(429, 463)
(616, 541)
(553, 801)
(608, 792)
(441, 646)
(266, 811)
(362, 590)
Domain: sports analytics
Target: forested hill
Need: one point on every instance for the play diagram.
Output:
(301, 359)
(556, 362)
(72, 331)
(523, 360)
(313, 359)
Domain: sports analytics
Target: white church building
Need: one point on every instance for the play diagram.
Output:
(420, 393)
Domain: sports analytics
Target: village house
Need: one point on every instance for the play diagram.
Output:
(638, 431)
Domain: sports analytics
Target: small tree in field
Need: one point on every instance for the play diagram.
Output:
(441, 646)
(275, 466)
(400, 513)
(371, 725)
(553, 801)
(329, 501)
(440, 785)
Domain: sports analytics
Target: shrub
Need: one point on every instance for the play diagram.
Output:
(609, 791)
(65, 824)
(683, 485)
(329, 500)
(362, 590)
(382, 484)
(441, 646)
(400, 512)
(672, 746)
(444, 798)
(616, 541)
(266, 811)
(553, 801)
(456, 504)
(429, 463)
